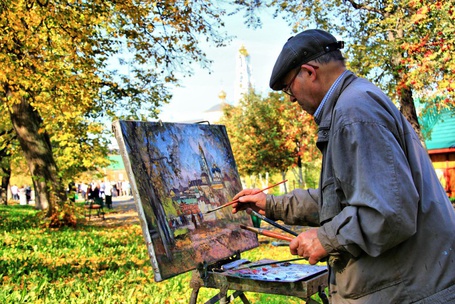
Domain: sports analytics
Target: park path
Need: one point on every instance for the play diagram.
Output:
(123, 212)
(124, 203)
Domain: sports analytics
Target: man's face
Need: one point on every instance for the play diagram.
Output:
(300, 87)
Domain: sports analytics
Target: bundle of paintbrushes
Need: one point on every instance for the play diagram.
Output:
(267, 233)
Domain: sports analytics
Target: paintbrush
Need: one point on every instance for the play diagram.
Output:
(267, 233)
(274, 223)
(236, 200)
(252, 265)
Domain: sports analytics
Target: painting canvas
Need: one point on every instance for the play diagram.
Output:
(178, 172)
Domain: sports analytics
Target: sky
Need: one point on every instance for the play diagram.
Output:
(199, 92)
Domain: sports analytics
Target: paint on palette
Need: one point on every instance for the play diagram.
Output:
(279, 272)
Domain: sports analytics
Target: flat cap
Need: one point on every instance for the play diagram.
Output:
(302, 48)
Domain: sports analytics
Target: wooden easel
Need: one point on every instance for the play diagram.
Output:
(304, 289)
(152, 166)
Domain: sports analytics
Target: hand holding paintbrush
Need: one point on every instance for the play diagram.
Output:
(254, 199)
(245, 192)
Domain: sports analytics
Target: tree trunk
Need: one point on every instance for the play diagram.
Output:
(5, 183)
(409, 111)
(302, 183)
(5, 169)
(283, 175)
(406, 100)
(37, 150)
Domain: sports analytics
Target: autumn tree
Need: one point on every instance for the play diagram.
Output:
(404, 46)
(68, 66)
(7, 146)
(300, 135)
(270, 134)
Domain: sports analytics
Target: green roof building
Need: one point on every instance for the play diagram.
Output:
(439, 130)
(116, 170)
(442, 134)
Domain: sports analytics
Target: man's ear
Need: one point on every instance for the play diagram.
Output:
(309, 68)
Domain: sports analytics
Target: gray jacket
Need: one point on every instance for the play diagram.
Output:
(385, 220)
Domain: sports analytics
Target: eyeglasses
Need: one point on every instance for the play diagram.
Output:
(287, 90)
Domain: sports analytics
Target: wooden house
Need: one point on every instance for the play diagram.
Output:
(440, 144)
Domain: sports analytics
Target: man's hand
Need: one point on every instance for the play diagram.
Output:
(308, 246)
(246, 200)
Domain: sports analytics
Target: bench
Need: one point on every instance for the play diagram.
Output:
(94, 205)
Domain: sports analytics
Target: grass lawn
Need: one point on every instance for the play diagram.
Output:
(93, 263)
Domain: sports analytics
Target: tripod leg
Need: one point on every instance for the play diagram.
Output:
(194, 294)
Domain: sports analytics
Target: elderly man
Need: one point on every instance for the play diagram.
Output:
(386, 226)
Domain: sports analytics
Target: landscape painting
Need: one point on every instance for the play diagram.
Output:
(179, 173)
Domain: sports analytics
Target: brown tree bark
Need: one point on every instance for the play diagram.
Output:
(37, 150)
(5, 167)
(4, 187)
(409, 111)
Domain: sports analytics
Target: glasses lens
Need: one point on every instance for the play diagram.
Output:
(287, 89)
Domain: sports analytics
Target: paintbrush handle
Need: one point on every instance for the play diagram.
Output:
(255, 192)
(268, 233)
(276, 235)
(273, 223)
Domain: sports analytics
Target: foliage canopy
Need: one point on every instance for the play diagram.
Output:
(70, 66)
(404, 46)
(270, 135)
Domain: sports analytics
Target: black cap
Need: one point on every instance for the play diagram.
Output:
(299, 49)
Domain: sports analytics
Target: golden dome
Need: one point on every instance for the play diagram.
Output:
(222, 95)
(243, 50)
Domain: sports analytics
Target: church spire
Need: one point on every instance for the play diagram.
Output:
(243, 74)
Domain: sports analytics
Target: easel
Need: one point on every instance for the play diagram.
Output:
(152, 178)
(210, 277)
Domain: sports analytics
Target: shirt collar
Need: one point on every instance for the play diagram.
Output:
(317, 114)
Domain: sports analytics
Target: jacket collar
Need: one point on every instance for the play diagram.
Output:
(324, 119)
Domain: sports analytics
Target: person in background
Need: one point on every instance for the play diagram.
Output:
(96, 195)
(84, 189)
(384, 223)
(119, 188)
(125, 188)
(108, 194)
(89, 194)
(28, 193)
(102, 189)
(15, 192)
(22, 196)
(114, 190)
(72, 190)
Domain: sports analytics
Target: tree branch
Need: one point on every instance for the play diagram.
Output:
(363, 7)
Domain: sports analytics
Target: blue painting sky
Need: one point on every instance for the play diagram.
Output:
(185, 139)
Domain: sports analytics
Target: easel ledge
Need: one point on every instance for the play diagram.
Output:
(303, 289)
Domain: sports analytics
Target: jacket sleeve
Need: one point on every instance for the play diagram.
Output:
(375, 184)
(299, 207)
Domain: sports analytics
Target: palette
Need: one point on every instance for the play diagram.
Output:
(274, 271)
